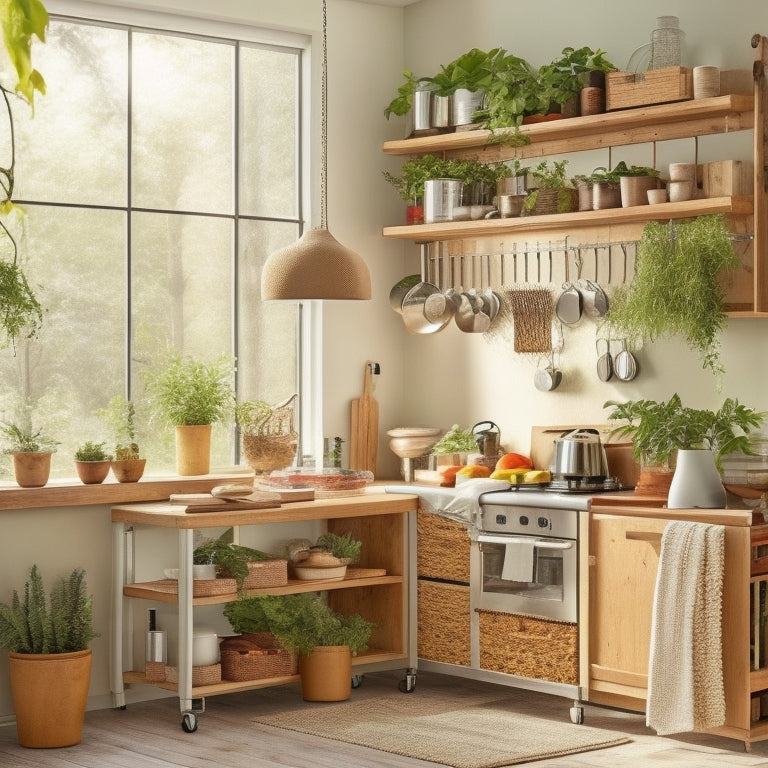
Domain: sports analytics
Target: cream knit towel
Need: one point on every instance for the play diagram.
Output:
(685, 668)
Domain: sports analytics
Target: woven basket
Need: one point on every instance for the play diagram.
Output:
(529, 647)
(444, 622)
(443, 548)
(562, 200)
(207, 675)
(266, 573)
(263, 658)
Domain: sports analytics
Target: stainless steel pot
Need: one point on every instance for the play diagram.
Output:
(580, 454)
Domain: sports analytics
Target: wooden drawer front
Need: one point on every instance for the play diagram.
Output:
(444, 622)
(529, 647)
(442, 548)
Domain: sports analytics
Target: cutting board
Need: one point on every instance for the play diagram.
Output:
(364, 426)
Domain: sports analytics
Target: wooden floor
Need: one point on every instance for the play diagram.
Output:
(149, 735)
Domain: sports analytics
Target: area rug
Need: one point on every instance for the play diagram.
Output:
(463, 729)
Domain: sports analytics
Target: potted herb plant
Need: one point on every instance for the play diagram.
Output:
(454, 446)
(634, 183)
(92, 462)
(324, 639)
(120, 414)
(191, 395)
(675, 262)
(31, 450)
(660, 430)
(512, 94)
(50, 663)
(554, 191)
(231, 560)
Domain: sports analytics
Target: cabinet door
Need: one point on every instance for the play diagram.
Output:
(624, 557)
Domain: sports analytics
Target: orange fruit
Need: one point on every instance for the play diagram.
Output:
(513, 461)
(474, 470)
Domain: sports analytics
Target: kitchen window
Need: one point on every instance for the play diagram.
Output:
(157, 173)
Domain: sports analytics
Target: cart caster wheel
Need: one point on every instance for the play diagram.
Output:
(577, 715)
(357, 681)
(189, 722)
(407, 684)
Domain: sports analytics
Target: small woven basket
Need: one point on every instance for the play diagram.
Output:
(266, 573)
(271, 443)
(206, 675)
(259, 656)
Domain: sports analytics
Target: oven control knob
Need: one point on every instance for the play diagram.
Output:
(523, 520)
(543, 522)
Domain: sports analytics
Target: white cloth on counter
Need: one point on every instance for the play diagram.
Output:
(518, 561)
(685, 666)
(461, 504)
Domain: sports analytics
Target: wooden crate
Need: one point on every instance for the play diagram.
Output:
(442, 549)
(444, 622)
(727, 178)
(656, 86)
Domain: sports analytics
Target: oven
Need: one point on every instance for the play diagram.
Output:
(528, 561)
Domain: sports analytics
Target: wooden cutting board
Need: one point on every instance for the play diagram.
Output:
(364, 425)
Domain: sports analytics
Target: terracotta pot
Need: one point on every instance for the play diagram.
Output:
(50, 692)
(31, 468)
(326, 674)
(634, 189)
(128, 470)
(193, 449)
(92, 472)
(654, 482)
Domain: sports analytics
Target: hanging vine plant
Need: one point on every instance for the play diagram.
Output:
(676, 290)
(21, 314)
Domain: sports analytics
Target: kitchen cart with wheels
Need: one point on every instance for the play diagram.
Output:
(385, 524)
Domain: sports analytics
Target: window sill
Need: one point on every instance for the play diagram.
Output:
(73, 493)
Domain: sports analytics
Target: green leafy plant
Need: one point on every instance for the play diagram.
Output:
(299, 622)
(403, 102)
(61, 622)
(120, 416)
(90, 451)
(473, 70)
(622, 169)
(551, 176)
(22, 439)
(659, 429)
(456, 440)
(676, 289)
(562, 79)
(342, 546)
(186, 391)
(512, 94)
(231, 560)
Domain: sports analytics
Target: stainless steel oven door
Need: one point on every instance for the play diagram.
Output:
(527, 575)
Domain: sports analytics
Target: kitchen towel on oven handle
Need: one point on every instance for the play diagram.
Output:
(519, 556)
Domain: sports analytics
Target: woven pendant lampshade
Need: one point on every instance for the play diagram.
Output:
(317, 265)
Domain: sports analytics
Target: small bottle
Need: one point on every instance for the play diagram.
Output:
(667, 43)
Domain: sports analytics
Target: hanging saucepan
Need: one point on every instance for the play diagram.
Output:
(570, 303)
(604, 360)
(600, 300)
(469, 313)
(413, 304)
(438, 305)
(400, 289)
(625, 364)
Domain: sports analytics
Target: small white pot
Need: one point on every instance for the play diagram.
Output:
(696, 482)
(205, 647)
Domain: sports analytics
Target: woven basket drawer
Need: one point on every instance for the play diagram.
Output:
(444, 618)
(267, 660)
(266, 573)
(442, 550)
(529, 647)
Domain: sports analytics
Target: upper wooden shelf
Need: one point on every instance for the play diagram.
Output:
(681, 119)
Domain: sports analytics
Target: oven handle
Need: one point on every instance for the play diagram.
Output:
(538, 543)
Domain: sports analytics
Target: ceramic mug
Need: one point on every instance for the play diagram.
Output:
(656, 196)
(706, 82)
(680, 190)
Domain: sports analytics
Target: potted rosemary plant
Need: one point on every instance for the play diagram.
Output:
(50, 663)
(31, 450)
(92, 462)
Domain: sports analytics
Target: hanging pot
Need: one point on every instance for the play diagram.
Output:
(399, 291)
(414, 316)
(604, 361)
(625, 364)
(570, 305)
(696, 483)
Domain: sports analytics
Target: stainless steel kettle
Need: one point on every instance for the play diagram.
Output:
(580, 454)
(489, 439)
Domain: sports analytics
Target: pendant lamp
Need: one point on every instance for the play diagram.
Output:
(317, 266)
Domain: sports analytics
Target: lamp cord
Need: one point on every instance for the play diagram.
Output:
(324, 125)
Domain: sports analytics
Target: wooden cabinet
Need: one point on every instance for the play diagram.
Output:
(622, 553)
(384, 523)
(747, 293)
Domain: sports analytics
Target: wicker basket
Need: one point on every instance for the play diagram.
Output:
(207, 675)
(444, 622)
(255, 657)
(442, 550)
(560, 200)
(266, 573)
(529, 647)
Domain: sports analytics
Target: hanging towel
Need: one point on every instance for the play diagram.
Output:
(685, 666)
(518, 561)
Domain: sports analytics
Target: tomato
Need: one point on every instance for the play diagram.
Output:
(513, 461)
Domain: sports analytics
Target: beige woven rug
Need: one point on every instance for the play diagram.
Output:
(464, 730)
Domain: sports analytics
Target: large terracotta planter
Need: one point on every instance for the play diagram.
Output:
(92, 472)
(128, 470)
(193, 449)
(32, 468)
(50, 692)
(326, 674)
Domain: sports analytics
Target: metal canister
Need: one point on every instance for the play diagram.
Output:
(488, 439)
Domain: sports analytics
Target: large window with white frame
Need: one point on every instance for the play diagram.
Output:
(157, 174)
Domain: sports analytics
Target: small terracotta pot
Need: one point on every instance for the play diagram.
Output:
(92, 472)
(128, 470)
